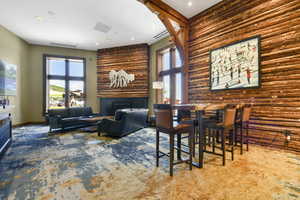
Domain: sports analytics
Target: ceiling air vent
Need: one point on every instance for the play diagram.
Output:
(102, 27)
(63, 45)
(161, 35)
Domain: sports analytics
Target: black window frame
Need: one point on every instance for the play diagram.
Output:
(65, 77)
(172, 71)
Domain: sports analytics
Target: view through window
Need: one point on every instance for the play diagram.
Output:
(169, 72)
(65, 82)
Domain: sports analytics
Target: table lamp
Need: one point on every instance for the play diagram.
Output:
(158, 85)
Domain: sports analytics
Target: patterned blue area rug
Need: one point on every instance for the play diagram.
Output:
(78, 165)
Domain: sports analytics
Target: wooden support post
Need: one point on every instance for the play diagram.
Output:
(178, 27)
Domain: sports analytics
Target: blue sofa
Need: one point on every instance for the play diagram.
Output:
(61, 119)
(126, 121)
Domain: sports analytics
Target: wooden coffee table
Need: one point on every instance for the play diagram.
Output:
(92, 121)
(95, 119)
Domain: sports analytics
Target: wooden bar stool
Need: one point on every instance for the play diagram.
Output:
(242, 123)
(185, 117)
(224, 129)
(165, 124)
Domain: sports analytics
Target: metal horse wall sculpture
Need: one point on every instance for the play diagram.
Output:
(120, 79)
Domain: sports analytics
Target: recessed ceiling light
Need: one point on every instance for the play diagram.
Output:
(39, 18)
(51, 13)
(132, 38)
(97, 43)
(190, 3)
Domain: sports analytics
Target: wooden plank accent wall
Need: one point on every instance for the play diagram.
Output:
(277, 102)
(133, 59)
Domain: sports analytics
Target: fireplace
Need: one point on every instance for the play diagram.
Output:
(108, 106)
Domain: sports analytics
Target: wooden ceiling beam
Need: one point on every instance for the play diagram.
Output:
(180, 37)
(175, 36)
(161, 7)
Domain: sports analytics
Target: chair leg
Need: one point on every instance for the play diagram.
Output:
(214, 140)
(171, 153)
(197, 139)
(205, 142)
(178, 146)
(191, 147)
(247, 135)
(218, 137)
(196, 134)
(242, 138)
(157, 148)
(209, 137)
(223, 146)
(236, 135)
(232, 143)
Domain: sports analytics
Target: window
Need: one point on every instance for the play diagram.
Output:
(64, 82)
(169, 72)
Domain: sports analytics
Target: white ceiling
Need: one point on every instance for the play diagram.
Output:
(190, 8)
(72, 22)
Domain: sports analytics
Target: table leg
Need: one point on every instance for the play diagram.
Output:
(199, 115)
(178, 146)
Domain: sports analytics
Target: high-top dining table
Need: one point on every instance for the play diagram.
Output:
(200, 110)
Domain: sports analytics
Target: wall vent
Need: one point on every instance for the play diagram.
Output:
(159, 36)
(63, 45)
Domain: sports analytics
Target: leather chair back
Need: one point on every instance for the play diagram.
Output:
(246, 112)
(183, 115)
(163, 116)
(229, 115)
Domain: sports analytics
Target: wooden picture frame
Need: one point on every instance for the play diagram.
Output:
(236, 65)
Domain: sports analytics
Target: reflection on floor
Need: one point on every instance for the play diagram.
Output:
(79, 165)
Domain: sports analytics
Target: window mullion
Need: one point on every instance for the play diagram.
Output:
(67, 82)
(172, 75)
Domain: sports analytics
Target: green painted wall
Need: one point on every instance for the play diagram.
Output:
(29, 59)
(28, 103)
(15, 51)
(153, 69)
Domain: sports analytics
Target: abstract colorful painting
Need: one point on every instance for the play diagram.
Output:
(236, 65)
